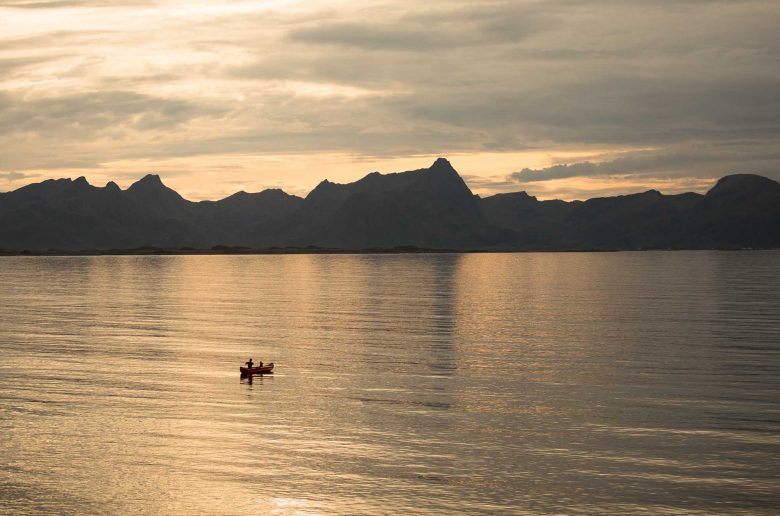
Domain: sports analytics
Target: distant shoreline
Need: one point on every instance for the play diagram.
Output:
(228, 250)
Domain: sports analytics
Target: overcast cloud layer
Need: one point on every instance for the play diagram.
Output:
(562, 98)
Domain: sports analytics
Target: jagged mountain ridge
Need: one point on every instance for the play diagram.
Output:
(431, 207)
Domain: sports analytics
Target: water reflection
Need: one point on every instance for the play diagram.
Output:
(251, 379)
(597, 383)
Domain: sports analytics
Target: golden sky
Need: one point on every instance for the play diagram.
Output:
(562, 98)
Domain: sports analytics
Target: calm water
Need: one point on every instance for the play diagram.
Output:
(511, 383)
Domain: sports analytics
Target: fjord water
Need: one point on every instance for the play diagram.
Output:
(478, 383)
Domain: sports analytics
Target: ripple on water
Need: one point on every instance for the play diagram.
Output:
(510, 383)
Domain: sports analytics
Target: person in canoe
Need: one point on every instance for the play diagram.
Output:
(251, 364)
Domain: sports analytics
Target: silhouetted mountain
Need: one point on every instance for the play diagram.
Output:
(429, 208)
(529, 223)
(244, 218)
(152, 196)
(740, 211)
(68, 215)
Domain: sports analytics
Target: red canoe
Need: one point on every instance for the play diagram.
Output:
(266, 369)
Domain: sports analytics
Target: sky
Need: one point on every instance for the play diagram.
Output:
(566, 99)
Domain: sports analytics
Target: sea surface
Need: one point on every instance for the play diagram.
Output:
(569, 383)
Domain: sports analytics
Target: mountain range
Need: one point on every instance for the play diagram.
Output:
(429, 208)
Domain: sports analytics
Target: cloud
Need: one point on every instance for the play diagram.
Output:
(616, 84)
(583, 169)
(10, 64)
(449, 28)
(84, 114)
(39, 42)
(60, 4)
(700, 160)
(11, 177)
(386, 37)
(397, 78)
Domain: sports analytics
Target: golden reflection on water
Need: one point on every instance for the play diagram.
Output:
(436, 383)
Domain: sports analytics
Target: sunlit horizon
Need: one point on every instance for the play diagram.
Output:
(563, 189)
(248, 95)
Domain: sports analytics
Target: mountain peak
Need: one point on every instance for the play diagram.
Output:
(521, 196)
(149, 180)
(442, 164)
(149, 183)
(652, 193)
(267, 193)
(443, 179)
(81, 181)
(151, 189)
(276, 192)
(327, 190)
(742, 183)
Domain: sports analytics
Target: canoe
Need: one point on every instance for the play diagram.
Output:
(266, 369)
